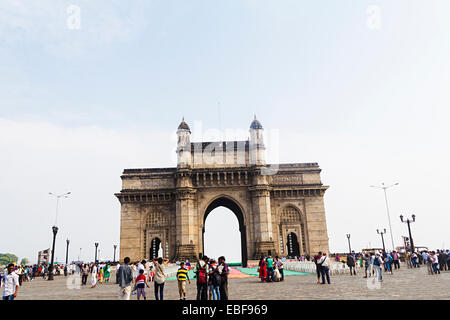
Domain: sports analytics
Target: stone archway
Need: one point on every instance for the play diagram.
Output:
(230, 204)
(172, 202)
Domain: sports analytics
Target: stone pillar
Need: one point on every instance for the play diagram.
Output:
(316, 225)
(130, 232)
(186, 219)
(264, 236)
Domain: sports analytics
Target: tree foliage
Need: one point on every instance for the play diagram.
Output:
(6, 258)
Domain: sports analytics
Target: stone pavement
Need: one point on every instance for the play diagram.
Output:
(403, 284)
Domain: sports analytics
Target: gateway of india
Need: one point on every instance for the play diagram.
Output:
(280, 208)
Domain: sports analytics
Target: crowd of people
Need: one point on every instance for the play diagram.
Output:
(271, 270)
(211, 276)
(374, 263)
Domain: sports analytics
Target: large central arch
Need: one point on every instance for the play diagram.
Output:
(228, 203)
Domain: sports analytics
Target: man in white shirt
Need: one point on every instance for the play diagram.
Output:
(10, 284)
(141, 266)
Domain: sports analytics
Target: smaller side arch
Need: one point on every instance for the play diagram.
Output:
(291, 216)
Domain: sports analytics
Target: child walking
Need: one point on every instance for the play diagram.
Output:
(140, 283)
(182, 276)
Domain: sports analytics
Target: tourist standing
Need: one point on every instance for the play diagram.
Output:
(388, 263)
(442, 258)
(10, 282)
(160, 277)
(435, 263)
(223, 271)
(429, 262)
(414, 260)
(377, 263)
(35, 270)
(280, 267)
(395, 260)
(366, 265)
(351, 264)
(315, 259)
(100, 273)
(93, 275)
(324, 263)
(84, 274)
(117, 270)
(269, 269)
(201, 273)
(214, 280)
(182, 276)
(107, 272)
(124, 277)
(262, 269)
(448, 260)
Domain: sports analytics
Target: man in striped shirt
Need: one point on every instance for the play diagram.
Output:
(182, 276)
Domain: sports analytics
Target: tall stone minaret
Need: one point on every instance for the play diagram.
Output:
(257, 148)
(184, 145)
(185, 213)
(260, 194)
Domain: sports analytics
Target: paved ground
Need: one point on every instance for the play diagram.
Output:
(403, 284)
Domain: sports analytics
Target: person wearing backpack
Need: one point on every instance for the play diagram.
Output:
(377, 262)
(201, 273)
(214, 280)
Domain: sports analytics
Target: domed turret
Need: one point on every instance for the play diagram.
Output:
(184, 145)
(257, 148)
(184, 126)
(256, 124)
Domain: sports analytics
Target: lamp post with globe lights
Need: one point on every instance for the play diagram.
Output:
(55, 231)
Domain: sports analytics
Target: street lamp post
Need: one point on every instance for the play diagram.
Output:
(115, 247)
(382, 238)
(50, 268)
(408, 221)
(96, 246)
(384, 187)
(349, 247)
(67, 251)
(55, 231)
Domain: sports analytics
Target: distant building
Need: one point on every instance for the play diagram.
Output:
(44, 256)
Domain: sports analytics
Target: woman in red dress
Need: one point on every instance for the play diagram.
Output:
(262, 269)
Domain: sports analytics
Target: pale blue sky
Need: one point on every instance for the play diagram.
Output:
(368, 105)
